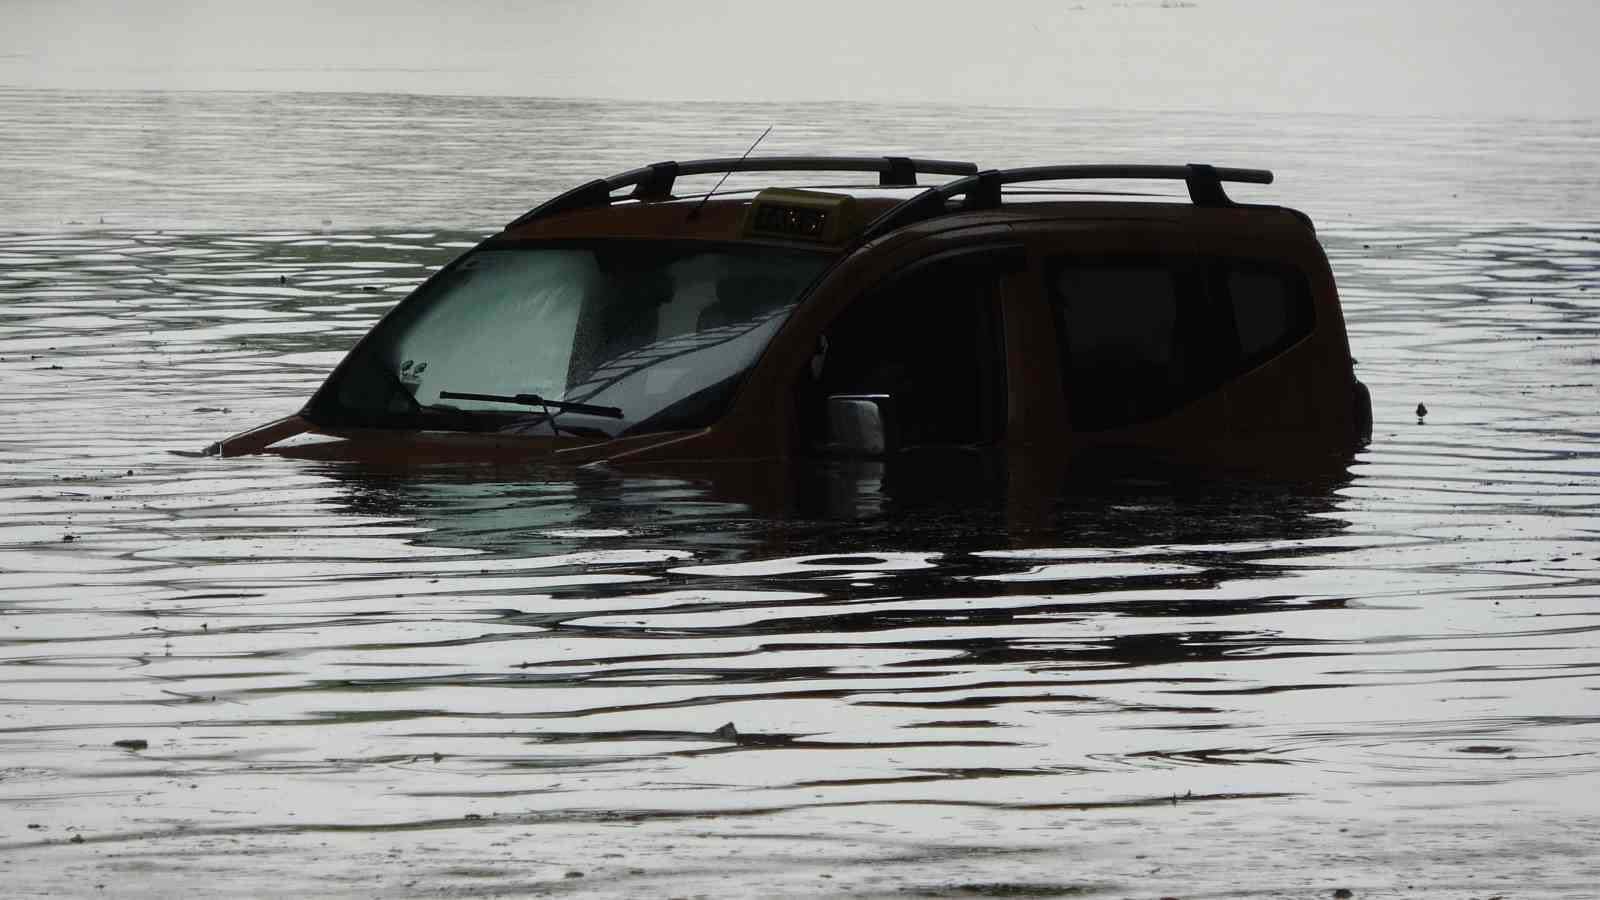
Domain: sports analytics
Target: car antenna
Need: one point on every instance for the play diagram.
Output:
(695, 213)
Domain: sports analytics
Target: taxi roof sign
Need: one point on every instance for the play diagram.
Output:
(797, 215)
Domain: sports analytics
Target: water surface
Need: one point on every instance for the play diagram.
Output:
(1378, 675)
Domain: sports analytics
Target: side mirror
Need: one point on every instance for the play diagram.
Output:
(862, 425)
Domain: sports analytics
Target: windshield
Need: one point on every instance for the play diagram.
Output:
(609, 338)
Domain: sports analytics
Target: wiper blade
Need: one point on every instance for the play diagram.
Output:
(588, 409)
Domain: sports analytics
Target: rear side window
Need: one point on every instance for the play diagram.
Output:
(1270, 306)
(1139, 337)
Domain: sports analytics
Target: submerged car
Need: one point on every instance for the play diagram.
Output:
(621, 322)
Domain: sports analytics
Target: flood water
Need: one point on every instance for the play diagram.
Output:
(1379, 676)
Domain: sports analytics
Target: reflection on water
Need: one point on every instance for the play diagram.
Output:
(988, 677)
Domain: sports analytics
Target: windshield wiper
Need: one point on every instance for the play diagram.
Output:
(588, 409)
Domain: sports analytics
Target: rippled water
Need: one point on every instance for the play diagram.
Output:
(490, 681)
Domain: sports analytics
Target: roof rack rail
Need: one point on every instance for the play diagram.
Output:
(654, 182)
(983, 189)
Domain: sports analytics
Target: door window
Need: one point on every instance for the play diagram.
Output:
(931, 340)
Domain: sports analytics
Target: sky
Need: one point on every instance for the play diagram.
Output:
(1425, 57)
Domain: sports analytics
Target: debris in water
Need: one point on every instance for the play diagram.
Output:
(76, 839)
(1342, 894)
(131, 744)
(726, 733)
